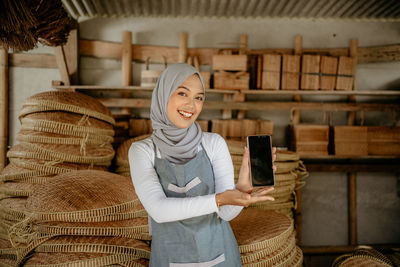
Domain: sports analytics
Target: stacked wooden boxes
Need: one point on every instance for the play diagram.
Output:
(271, 72)
(384, 140)
(290, 72)
(328, 72)
(351, 140)
(239, 129)
(231, 72)
(309, 139)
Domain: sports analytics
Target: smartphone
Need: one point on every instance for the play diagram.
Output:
(261, 171)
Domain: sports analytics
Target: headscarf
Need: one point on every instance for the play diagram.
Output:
(175, 144)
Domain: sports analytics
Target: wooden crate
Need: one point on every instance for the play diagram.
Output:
(307, 139)
(328, 71)
(271, 75)
(290, 72)
(346, 72)
(240, 129)
(384, 140)
(232, 81)
(351, 140)
(203, 125)
(310, 72)
(230, 62)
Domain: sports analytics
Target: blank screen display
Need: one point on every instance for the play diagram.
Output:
(262, 173)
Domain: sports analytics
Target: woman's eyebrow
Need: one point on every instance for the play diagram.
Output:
(184, 87)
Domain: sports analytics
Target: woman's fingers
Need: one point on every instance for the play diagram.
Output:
(273, 153)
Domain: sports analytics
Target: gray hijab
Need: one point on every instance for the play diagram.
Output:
(175, 144)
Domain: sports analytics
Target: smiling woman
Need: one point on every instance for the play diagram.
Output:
(184, 178)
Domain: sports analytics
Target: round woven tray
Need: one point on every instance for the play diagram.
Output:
(79, 259)
(14, 173)
(285, 167)
(263, 258)
(258, 229)
(67, 101)
(92, 154)
(81, 194)
(364, 256)
(109, 245)
(59, 139)
(12, 209)
(286, 155)
(122, 151)
(12, 189)
(271, 205)
(298, 260)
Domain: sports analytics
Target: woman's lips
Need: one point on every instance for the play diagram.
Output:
(185, 114)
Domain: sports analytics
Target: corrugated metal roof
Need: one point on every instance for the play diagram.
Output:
(379, 10)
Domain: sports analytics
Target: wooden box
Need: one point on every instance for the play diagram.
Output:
(203, 125)
(139, 127)
(240, 129)
(265, 127)
(228, 80)
(290, 72)
(310, 72)
(230, 62)
(384, 140)
(271, 75)
(346, 72)
(328, 71)
(307, 139)
(350, 140)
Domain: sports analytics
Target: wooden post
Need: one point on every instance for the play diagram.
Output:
(183, 47)
(3, 107)
(126, 64)
(71, 52)
(62, 64)
(242, 97)
(297, 51)
(351, 116)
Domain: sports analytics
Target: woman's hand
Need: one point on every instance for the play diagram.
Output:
(238, 198)
(244, 183)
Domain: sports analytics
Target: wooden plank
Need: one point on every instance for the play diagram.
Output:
(260, 105)
(71, 52)
(227, 80)
(343, 249)
(328, 71)
(353, 167)
(271, 76)
(3, 107)
(183, 47)
(259, 71)
(290, 72)
(310, 72)
(62, 65)
(126, 64)
(243, 44)
(104, 49)
(32, 60)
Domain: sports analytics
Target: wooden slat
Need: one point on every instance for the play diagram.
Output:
(353, 167)
(126, 64)
(310, 72)
(32, 60)
(71, 52)
(352, 192)
(3, 107)
(328, 70)
(104, 49)
(62, 64)
(346, 67)
(260, 105)
(271, 76)
(183, 47)
(290, 72)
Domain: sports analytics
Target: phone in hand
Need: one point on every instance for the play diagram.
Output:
(261, 171)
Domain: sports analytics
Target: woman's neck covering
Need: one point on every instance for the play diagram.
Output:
(175, 144)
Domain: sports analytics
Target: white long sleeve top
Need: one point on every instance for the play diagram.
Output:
(167, 209)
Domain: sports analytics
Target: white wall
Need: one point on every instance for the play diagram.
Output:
(324, 196)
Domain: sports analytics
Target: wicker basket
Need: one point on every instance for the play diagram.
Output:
(73, 102)
(363, 256)
(122, 152)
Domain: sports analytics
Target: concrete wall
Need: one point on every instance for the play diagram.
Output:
(324, 196)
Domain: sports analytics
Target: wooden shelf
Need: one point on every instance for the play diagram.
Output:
(248, 92)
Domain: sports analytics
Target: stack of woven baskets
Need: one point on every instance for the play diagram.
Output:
(85, 217)
(60, 132)
(367, 256)
(122, 160)
(288, 177)
(266, 238)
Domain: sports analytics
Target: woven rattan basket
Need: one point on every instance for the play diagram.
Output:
(14, 173)
(73, 102)
(12, 209)
(261, 230)
(363, 256)
(286, 155)
(11, 189)
(122, 152)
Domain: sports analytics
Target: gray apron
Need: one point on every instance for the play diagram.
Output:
(202, 241)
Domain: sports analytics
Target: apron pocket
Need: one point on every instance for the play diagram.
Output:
(217, 260)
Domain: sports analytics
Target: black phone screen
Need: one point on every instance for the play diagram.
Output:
(260, 149)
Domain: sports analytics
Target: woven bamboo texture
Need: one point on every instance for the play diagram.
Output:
(122, 152)
(73, 102)
(364, 256)
(13, 173)
(258, 229)
(12, 209)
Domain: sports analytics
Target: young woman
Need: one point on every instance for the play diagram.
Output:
(184, 179)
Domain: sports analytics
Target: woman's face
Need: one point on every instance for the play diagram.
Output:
(186, 103)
